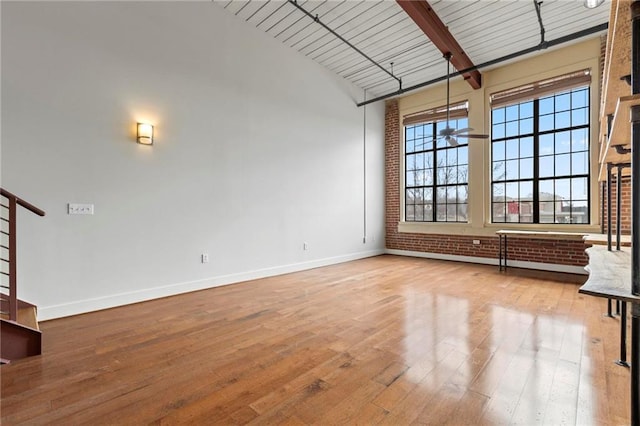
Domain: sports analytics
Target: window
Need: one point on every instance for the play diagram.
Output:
(540, 155)
(436, 173)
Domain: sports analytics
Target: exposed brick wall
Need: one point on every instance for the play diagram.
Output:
(625, 205)
(392, 172)
(534, 250)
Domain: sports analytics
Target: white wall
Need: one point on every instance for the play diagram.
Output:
(258, 150)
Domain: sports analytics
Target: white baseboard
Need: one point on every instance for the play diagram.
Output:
(112, 301)
(488, 261)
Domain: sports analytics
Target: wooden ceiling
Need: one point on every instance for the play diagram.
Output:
(485, 29)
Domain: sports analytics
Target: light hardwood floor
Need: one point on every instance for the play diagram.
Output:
(386, 340)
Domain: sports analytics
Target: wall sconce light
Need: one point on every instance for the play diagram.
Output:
(592, 4)
(145, 134)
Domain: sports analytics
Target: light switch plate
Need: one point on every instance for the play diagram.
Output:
(75, 208)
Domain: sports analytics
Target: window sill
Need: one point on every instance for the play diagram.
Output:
(488, 229)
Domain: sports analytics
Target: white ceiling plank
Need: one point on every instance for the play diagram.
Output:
(235, 6)
(486, 30)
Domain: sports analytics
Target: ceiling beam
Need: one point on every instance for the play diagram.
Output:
(429, 22)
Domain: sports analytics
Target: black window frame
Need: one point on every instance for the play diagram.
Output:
(539, 174)
(438, 147)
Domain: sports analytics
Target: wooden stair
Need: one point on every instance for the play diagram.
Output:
(21, 338)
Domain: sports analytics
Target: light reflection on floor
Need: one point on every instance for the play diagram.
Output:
(527, 364)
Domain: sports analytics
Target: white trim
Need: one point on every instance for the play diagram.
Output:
(115, 300)
(489, 261)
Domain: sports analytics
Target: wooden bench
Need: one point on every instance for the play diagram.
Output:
(504, 234)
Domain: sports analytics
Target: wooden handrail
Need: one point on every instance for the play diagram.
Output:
(21, 202)
(14, 202)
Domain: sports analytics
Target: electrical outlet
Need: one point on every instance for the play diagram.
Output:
(476, 242)
(204, 258)
(75, 208)
(305, 246)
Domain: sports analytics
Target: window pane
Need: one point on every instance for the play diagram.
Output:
(409, 197)
(546, 191)
(546, 105)
(463, 156)
(580, 212)
(410, 179)
(526, 168)
(563, 102)
(546, 122)
(526, 126)
(579, 188)
(563, 119)
(410, 147)
(498, 151)
(452, 194)
(426, 144)
(428, 212)
(563, 165)
(498, 115)
(563, 189)
(446, 175)
(428, 176)
(512, 169)
(512, 191)
(463, 174)
(498, 192)
(546, 166)
(498, 131)
(563, 142)
(512, 112)
(579, 98)
(526, 109)
(499, 170)
(579, 163)
(419, 212)
(512, 149)
(428, 195)
(546, 144)
(451, 213)
(498, 212)
(526, 147)
(462, 193)
(462, 212)
(511, 129)
(526, 191)
(452, 157)
(579, 116)
(512, 212)
(411, 162)
(579, 140)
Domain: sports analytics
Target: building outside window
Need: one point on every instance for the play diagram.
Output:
(436, 172)
(540, 152)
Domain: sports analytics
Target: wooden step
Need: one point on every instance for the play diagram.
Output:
(18, 341)
(26, 316)
(27, 312)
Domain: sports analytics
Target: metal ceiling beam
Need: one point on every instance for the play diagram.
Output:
(342, 39)
(429, 22)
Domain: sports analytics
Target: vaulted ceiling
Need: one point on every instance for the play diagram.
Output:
(383, 31)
